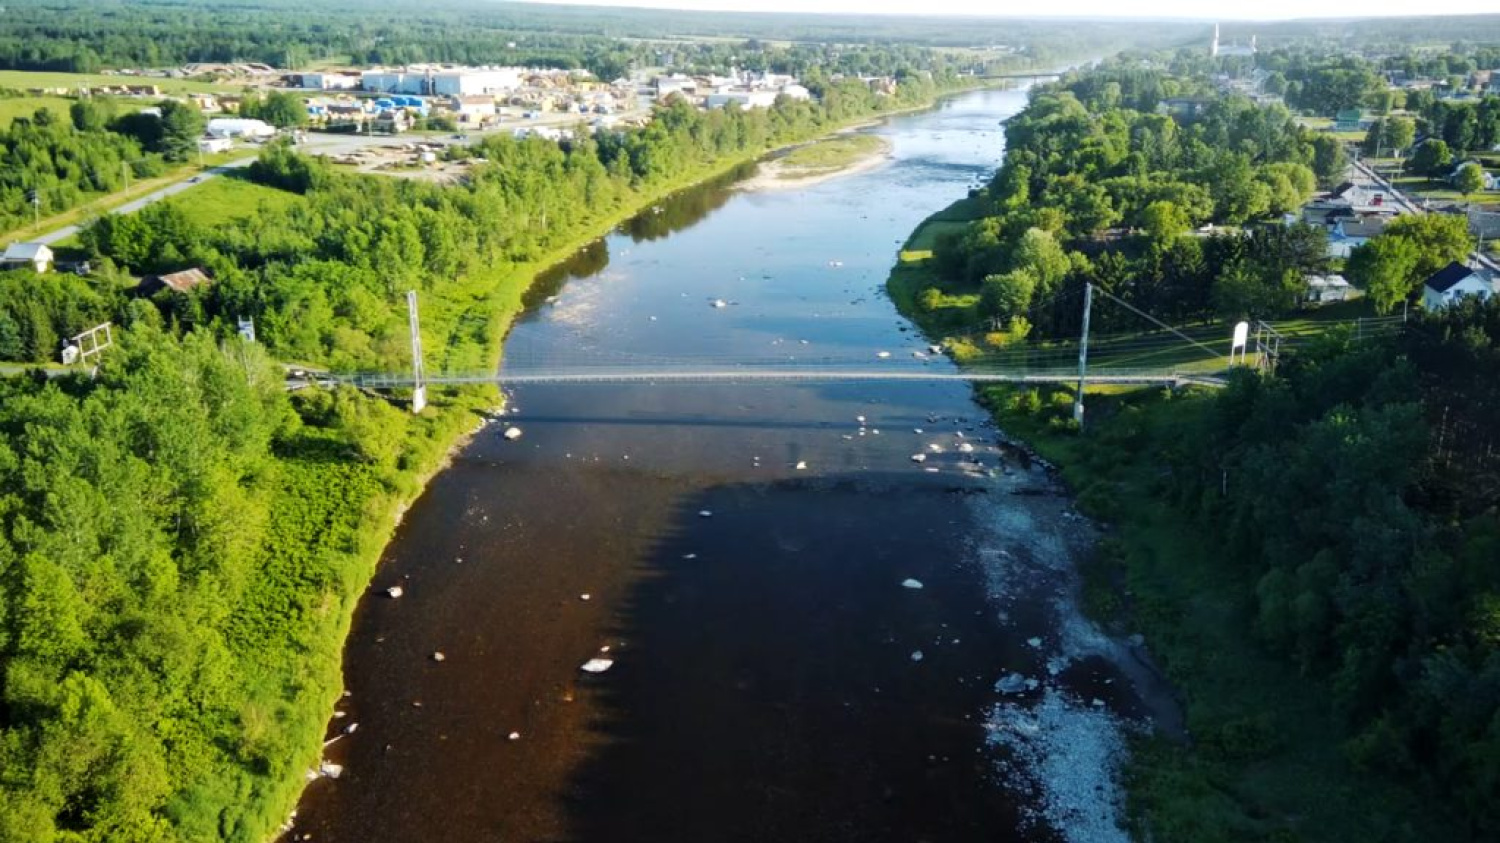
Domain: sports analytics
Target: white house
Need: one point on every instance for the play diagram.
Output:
(473, 108)
(239, 127)
(1489, 178)
(1452, 283)
(17, 255)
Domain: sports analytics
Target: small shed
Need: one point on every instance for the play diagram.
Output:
(36, 255)
(178, 282)
(1322, 289)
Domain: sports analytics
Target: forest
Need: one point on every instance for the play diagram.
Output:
(81, 36)
(51, 162)
(1098, 187)
(1311, 554)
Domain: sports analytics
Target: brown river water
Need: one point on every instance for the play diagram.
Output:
(773, 679)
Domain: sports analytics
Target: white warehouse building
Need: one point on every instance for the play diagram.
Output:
(746, 99)
(239, 127)
(443, 81)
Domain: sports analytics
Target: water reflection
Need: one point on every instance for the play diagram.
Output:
(685, 209)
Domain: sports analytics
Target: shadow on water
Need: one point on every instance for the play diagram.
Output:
(765, 687)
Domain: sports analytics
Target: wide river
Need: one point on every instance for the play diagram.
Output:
(740, 552)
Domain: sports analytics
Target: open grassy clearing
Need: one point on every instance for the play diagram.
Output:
(829, 155)
(231, 198)
(13, 107)
(106, 203)
(27, 79)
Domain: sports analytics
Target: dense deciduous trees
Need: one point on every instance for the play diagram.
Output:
(1374, 538)
(1080, 161)
(69, 159)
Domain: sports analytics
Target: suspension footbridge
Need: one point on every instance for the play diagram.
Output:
(1162, 355)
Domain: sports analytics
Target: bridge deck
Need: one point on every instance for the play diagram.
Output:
(604, 375)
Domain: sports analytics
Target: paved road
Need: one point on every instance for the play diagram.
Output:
(1368, 175)
(155, 196)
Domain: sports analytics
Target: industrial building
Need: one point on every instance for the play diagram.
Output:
(443, 81)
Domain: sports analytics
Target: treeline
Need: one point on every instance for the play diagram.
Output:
(1357, 493)
(1099, 187)
(51, 162)
(323, 277)
(80, 36)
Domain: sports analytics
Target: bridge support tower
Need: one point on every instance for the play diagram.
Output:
(418, 376)
(1083, 355)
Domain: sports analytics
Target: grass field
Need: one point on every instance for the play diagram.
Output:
(13, 107)
(229, 198)
(25, 79)
(107, 203)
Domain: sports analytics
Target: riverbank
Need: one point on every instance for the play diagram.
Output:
(1265, 753)
(834, 157)
(492, 300)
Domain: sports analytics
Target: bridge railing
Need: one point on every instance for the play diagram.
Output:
(731, 374)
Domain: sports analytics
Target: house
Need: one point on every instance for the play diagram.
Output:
(18, 255)
(392, 121)
(1350, 200)
(479, 108)
(1349, 232)
(1452, 283)
(1328, 288)
(178, 282)
(1489, 178)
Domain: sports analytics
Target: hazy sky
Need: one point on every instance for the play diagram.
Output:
(1254, 9)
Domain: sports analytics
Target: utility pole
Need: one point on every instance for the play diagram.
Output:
(125, 168)
(1083, 355)
(418, 377)
(36, 207)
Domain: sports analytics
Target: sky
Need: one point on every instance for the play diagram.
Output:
(1254, 10)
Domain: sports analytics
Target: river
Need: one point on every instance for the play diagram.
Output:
(740, 552)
